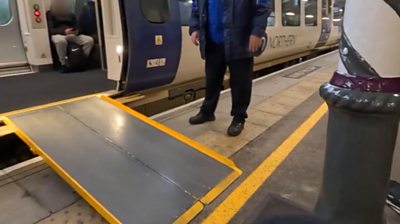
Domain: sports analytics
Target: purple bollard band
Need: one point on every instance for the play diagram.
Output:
(366, 84)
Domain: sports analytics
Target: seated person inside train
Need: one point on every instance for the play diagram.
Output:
(63, 28)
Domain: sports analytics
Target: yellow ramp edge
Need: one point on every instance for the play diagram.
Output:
(107, 215)
(186, 217)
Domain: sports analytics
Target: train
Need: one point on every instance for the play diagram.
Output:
(144, 45)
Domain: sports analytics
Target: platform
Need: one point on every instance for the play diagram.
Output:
(275, 165)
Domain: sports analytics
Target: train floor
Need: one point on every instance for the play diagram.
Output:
(280, 161)
(45, 87)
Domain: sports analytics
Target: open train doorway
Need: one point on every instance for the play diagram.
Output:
(47, 83)
(85, 17)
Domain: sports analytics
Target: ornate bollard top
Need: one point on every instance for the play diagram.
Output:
(368, 75)
(370, 40)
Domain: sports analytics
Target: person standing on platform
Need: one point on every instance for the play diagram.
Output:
(229, 33)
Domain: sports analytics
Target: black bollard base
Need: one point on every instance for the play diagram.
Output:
(277, 210)
(294, 220)
(361, 137)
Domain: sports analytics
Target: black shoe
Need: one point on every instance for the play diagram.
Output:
(393, 199)
(65, 69)
(236, 128)
(200, 118)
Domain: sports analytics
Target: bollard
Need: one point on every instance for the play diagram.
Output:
(364, 112)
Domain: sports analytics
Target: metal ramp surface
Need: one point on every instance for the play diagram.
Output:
(128, 167)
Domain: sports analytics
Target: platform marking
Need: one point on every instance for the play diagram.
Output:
(238, 198)
(303, 72)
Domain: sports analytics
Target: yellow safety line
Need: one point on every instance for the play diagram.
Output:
(68, 178)
(238, 198)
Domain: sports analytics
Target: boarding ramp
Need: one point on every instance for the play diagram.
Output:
(128, 167)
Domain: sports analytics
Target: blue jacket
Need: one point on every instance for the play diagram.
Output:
(215, 21)
(242, 18)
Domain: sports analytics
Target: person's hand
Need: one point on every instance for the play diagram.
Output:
(195, 38)
(70, 31)
(254, 43)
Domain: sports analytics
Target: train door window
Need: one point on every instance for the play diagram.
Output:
(185, 8)
(291, 12)
(155, 11)
(338, 12)
(5, 12)
(326, 9)
(311, 13)
(329, 7)
(271, 17)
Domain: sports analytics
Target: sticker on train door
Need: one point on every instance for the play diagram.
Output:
(159, 40)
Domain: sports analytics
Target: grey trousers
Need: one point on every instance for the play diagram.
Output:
(61, 43)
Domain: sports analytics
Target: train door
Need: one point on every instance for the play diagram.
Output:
(12, 52)
(326, 27)
(154, 39)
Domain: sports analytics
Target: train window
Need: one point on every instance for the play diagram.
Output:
(338, 12)
(155, 11)
(291, 12)
(5, 12)
(311, 13)
(271, 17)
(185, 7)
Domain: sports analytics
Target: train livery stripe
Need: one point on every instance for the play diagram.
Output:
(326, 25)
(325, 32)
(395, 4)
(354, 63)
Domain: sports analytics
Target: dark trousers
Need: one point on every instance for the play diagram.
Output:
(241, 72)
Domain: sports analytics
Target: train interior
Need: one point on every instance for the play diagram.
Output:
(32, 81)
